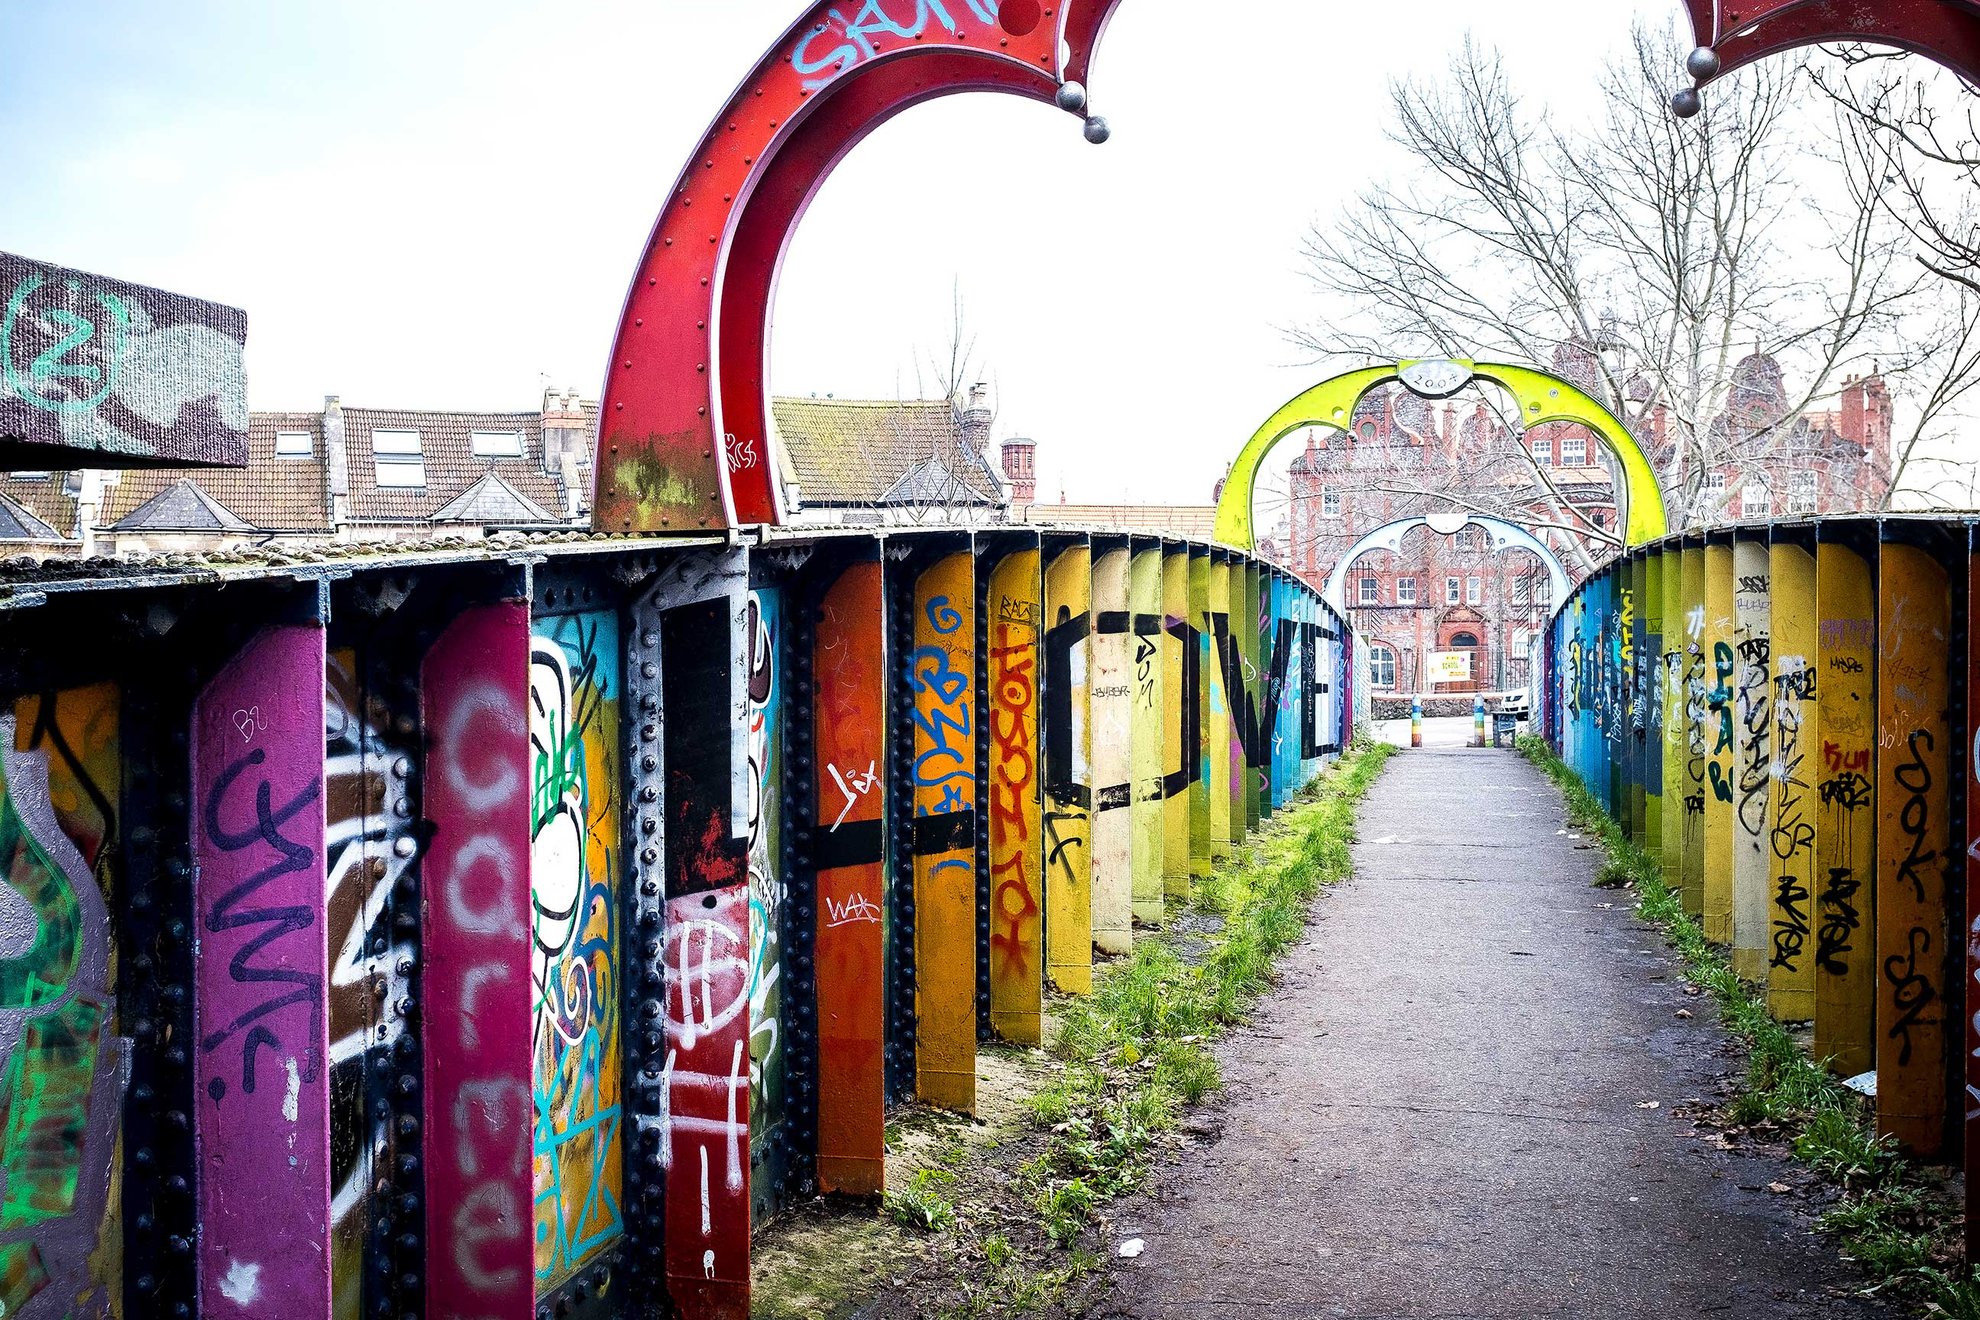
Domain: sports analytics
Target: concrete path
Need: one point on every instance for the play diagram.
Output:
(1443, 1112)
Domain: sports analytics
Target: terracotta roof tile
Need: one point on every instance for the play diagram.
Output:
(271, 494)
(856, 451)
(451, 465)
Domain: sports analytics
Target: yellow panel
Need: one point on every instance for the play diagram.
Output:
(1676, 741)
(1846, 818)
(1113, 762)
(1217, 622)
(1069, 787)
(1196, 635)
(1145, 603)
(1797, 763)
(1651, 687)
(1697, 728)
(1017, 859)
(1176, 758)
(1720, 744)
(942, 673)
(1752, 757)
(1913, 835)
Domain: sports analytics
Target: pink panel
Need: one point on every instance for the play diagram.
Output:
(706, 1142)
(263, 1059)
(474, 690)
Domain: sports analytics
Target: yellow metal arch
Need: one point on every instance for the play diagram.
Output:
(1541, 398)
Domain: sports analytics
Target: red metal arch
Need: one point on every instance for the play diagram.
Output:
(1742, 31)
(684, 435)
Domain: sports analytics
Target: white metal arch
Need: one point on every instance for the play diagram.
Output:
(1505, 536)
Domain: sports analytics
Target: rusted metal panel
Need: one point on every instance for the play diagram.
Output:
(1914, 746)
(941, 671)
(850, 718)
(263, 1071)
(474, 689)
(98, 373)
(1017, 857)
(1846, 821)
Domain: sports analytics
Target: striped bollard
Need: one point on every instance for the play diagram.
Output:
(1478, 719)
(1416, 721)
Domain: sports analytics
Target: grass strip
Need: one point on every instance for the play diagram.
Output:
(1136, 1053)
(1894, 1218)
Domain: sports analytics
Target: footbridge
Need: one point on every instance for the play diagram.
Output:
(504, 928)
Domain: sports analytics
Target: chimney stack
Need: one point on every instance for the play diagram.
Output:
(1018, 456)
(978, 418)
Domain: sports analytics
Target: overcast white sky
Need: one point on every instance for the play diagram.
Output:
(438, 204)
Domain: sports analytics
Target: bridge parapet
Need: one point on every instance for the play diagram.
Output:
(513, 927)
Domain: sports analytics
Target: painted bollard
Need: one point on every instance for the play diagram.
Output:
(1416, 721)
(1478, 720)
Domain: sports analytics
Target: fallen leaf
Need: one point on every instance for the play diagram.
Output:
(1684, 1012)
(1778, 1187)
(1647, 1104)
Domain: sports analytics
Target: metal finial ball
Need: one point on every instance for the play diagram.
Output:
(1097, 130)
(1703, 63)
(1071, 98)
(1686, 103)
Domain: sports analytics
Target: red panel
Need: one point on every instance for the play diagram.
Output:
(684, 434)
(706, 1136)
(1971, 751)
(1749, 30)
(852, 886)
(474, 690)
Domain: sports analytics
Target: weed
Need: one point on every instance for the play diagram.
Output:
(919, 1205)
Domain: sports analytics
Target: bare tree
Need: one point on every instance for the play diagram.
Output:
(1709, 280)
(952, 476)
(1913, 134)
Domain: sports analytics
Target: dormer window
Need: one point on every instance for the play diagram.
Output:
(496, 444)
(295, 444)
(401, 463)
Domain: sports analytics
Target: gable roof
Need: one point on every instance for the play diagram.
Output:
(18, 523)
(271, 494)
(872, 452)
(181, 507)
(493, 502)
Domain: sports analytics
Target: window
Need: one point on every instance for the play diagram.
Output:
(1755, 500)
(1803, 491)
(1450, 591)
(1405, 591)
(1463, 641)
(1543, 451)
(1467, 538)
(1371, 591)
(30, 476)
(295, 444)
(1381, 665)
(1522, 589)
(496, 444)
(1330, 502)
(1574, 450)
(1474, 591)
(1715, 482)
(399, 459)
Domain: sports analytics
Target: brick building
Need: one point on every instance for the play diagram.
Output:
(1403, 456)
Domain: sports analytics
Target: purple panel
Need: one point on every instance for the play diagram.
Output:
(264, 1081)
(475, 689)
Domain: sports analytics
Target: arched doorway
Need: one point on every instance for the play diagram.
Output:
(1460, 644)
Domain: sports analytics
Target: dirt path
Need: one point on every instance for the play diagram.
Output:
(1443, 1112)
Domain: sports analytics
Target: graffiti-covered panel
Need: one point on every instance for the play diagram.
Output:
(764, 800)
(1017, 885)
(940, 674)
(263, 1070)
(1216, 624)
(850, 714)
(1113, 755)
(474, 691)
(1792, 877)
(1067, 736)
(1178, 655)
(64, 1067)
(576, 990)
(1845, 811)
(1698, 728)
(1197, 639)
(1145, 731)
(1721, 740)
(1914, 760)
(1752, 775)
